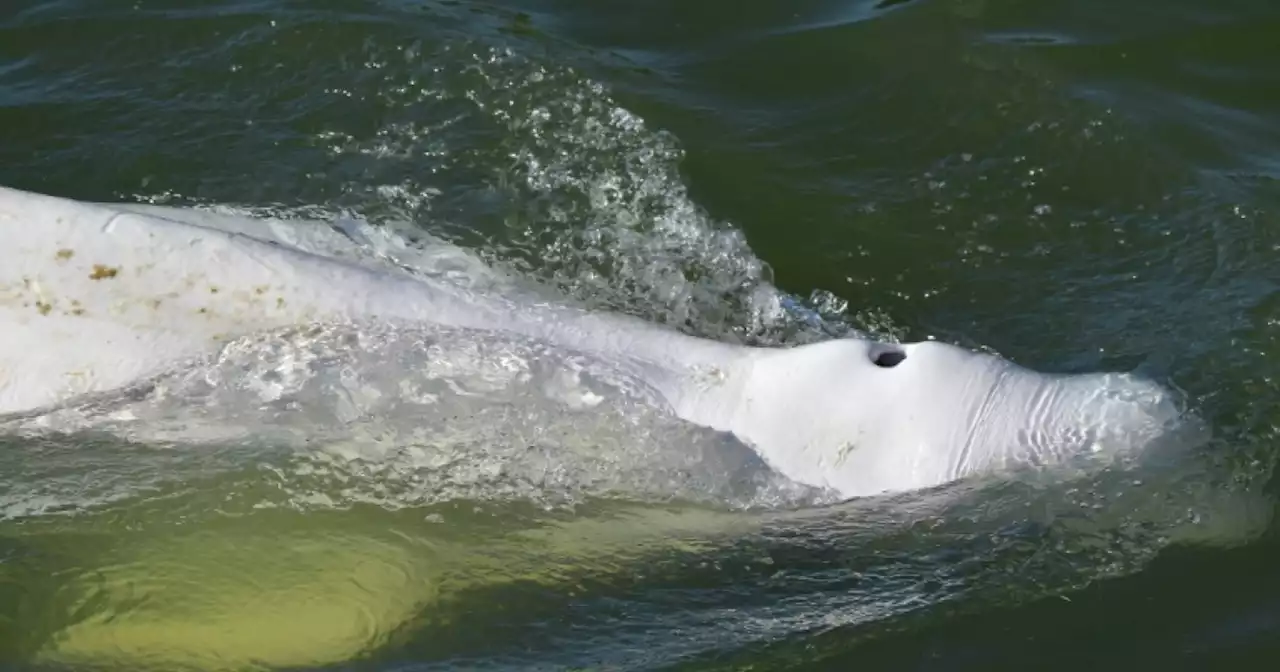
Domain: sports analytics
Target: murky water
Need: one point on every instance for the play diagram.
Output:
(1077, 186)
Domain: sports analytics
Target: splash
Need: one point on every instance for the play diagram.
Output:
(337, 414)
(578, 193)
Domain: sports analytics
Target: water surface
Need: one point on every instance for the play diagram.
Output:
(1074, 185)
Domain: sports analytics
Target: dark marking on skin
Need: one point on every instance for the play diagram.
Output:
(101, 272)
(43, 308)
(213, 290)
(64, 254)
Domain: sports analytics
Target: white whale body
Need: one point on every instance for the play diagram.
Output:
(96, 297)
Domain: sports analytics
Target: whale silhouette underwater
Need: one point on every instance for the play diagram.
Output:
(95, 298)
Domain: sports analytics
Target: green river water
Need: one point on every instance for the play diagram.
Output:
(1076, 186)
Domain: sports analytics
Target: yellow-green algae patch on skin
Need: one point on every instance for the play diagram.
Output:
(243, 594)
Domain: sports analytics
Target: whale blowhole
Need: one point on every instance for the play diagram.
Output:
(887, 359)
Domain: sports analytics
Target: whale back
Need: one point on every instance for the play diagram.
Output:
(94, 297)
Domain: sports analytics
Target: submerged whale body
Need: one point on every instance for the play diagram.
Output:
(96, 297)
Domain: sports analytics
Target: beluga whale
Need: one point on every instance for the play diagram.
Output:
(98, 297)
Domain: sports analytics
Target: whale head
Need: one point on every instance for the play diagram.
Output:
(863, 417)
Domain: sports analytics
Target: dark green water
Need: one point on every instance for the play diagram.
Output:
(1075, 185)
